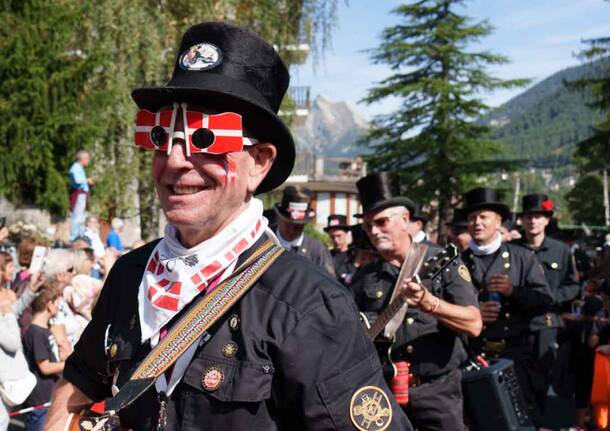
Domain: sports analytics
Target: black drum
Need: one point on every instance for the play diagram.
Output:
(493, 399)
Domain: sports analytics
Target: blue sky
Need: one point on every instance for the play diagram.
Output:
(540, 37)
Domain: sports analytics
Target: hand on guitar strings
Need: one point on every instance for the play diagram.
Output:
(412, 293)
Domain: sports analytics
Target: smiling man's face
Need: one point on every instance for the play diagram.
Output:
(202, 193)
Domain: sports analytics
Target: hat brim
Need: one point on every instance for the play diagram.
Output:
(497, 207)
(339, 226)
(261, 122)
(393, 202)
(285, 216)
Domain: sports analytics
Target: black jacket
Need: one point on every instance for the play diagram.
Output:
(531, 294)
(301, 355)
(561, 275)
(431, 348)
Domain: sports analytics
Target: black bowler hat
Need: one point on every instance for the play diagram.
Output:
(229, 69)
(459, 220)
(483, 198)
(537, 203)
(296, 205)
(381, 190)
(419, 215)
(336, 221)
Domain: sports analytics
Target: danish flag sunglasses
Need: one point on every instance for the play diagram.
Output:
(203, 133)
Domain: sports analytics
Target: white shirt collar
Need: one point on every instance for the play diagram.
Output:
(288, 245)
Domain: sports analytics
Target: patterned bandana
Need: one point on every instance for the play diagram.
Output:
(174, 274)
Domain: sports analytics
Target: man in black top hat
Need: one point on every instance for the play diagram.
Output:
(417, 226)
(343, 258)
(561, 276)
(512, 290)
(290, 353)
(293, 213)
(458, 230)
(428, 333)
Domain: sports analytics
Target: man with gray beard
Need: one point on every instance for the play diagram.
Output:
(427, 334)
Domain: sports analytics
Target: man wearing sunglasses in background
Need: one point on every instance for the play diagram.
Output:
(427, 334)
(290, 354)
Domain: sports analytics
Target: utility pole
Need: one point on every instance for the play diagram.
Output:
(517, 191)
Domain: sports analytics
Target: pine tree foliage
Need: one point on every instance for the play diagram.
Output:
(432, 139)
(67, 69)
(592, 155)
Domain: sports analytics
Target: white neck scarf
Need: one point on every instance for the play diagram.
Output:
(288, 245)
(484, 250)
(419, 236)
(175, 275)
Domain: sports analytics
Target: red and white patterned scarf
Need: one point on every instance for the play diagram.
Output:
(174, 274)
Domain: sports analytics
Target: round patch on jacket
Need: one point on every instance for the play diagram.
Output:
(203, 56)
(212, 379)
(464, 273)
(370, 409)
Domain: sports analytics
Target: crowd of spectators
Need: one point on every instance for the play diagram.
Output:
(42, 314)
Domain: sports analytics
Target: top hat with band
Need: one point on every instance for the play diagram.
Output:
(483, 198)
(228, 69)
(296, 205)
(337, 221)
(381, 190)
(537, 203)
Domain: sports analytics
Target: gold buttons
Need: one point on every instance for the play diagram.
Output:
(409, 349)
(507, 315)
(234, 322)
(229, 350)
(378, 294)
(506, 328)
(554, 265)
(410, 320)
(505, 255)
(114, 350)
(507, 265)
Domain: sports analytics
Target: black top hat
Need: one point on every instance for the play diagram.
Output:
(226, 68)
(537, 203)
(459, 220)
(360, 240)
(336, 221)
(381, 190)
(296, 205)
(483, 198)
(417, 214)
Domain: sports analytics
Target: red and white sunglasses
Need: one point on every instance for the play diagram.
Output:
(204, 133)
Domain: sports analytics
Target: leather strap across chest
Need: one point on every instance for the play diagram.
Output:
(193, 324)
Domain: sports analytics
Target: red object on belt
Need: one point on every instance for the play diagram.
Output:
(400, 383)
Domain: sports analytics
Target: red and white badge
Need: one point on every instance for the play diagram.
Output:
(212, 379)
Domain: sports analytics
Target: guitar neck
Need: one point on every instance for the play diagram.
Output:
(384, 317)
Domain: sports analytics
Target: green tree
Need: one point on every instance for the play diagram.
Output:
(45, 101)
(592, 155)
(433, 140)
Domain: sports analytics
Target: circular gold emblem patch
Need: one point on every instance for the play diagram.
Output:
(229, 350)
(370, 409)
(464, 273)
(212, 379)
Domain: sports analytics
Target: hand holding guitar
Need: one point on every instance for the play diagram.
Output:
(412, 293)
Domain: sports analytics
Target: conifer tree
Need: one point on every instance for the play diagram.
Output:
(433, 140)
(592, 155)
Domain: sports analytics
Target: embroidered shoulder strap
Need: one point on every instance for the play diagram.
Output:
(193, 324)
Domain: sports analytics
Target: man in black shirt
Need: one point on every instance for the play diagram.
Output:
(561, 276)
(427, 334)
(289, 353)
(343, 258)
(292, 214)
(512, 290)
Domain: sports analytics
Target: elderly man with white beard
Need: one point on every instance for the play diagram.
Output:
(427, 335)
